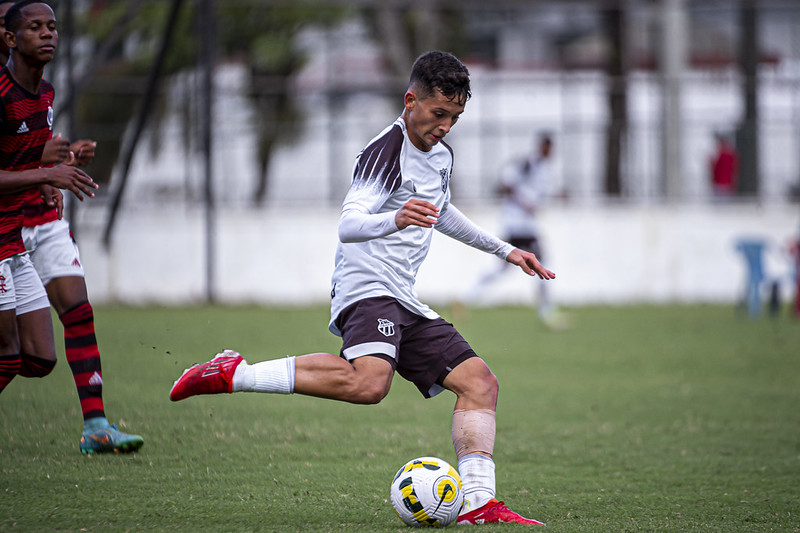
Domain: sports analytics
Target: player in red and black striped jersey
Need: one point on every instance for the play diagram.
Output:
(26, 337)
(26, 123)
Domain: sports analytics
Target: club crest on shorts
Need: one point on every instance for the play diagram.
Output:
(386, 327)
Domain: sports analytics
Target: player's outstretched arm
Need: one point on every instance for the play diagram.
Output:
(529, 264)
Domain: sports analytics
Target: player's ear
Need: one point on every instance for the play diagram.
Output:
(410, 100)
(10, 39)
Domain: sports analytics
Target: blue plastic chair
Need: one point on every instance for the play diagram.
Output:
(753, 252)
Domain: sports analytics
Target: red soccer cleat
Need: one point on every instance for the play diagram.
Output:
(495, 512)
(213, 377)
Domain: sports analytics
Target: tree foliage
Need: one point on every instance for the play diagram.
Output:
(258, 34)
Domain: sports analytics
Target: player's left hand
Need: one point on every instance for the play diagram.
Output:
(83, 151)
(528, 263)
(416, 212)
(53, 198)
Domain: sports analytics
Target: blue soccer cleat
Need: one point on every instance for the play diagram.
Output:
(102, 437)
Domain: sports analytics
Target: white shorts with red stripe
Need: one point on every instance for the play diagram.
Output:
(20, 286)
(53, 250)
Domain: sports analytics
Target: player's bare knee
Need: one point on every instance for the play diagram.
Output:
(371, 381)
(481, 391)
(370, 398)
(474, 384)
(487, 387)
(481, 378)
(370, 393)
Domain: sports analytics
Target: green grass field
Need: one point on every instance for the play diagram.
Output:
(638, 419)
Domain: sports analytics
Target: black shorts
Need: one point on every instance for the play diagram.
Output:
(529, 244)
(421, 350)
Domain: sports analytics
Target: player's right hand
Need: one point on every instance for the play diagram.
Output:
(56, 150)
(416, 213)
(72, 179)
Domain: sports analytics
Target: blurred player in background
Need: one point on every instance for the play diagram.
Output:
(26, 113)
(525, 186)
(55, 256)
(400, 191)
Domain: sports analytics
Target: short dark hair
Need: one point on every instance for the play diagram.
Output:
(443, 71)
(14, 13)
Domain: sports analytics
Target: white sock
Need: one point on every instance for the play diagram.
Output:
(477, 480)
(275, 376)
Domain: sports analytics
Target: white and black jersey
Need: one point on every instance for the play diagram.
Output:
(373, 257)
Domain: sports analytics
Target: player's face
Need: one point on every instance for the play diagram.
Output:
(36, 38)
(428, 120)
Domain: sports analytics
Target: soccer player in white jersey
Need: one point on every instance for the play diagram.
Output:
(525, 186)
(400, 192)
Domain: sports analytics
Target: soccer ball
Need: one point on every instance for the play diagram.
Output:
(426, 492)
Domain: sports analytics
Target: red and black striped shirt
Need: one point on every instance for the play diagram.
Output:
(26, 124)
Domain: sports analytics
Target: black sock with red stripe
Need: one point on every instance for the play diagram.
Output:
(83, 357)
(35, 367)
(9, 367)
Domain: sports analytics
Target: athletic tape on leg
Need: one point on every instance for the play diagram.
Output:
(473, 431)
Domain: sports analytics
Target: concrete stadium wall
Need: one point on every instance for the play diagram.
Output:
(615, 254)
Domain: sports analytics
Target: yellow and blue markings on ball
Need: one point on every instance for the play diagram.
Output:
(413, 504)
(446, 490)
(429, 465)
(413, 465)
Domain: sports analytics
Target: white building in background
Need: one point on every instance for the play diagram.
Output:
(637, 249)
(534, 72)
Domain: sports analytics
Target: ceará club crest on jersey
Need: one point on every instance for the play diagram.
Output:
(445, 178)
